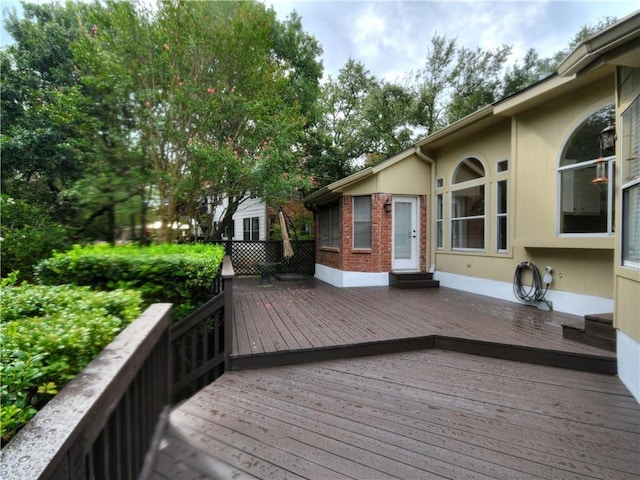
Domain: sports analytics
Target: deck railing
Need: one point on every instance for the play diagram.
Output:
(201, 342)
(104, 423)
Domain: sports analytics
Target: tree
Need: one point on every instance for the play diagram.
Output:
(217, 97)
(476, 80)
(43, 122)
(433, 84)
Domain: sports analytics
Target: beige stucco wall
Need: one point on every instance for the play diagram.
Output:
(408, 177)
(540, 136)
(627, 280)
(532, 142)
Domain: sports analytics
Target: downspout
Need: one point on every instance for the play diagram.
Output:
(430, 238)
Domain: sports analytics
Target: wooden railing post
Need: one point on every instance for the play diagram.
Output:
(227, 282)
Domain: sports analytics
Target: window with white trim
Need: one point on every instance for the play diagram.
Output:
(439, 221)
(586, 178)
(362, 222)
(630, 151)
(330, 226)
(502, 166)
(501, 215)
(468, 205)
(251, 228)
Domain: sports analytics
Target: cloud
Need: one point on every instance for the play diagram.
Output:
(392, 37)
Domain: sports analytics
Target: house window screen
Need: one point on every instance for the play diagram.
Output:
(329, 226)
(630, 150)
(251, 228)
(362, 222)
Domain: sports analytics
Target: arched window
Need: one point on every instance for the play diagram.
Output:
(586, 171)
(468, 205)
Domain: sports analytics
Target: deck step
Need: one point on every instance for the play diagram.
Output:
(598, 331)
(412, 280)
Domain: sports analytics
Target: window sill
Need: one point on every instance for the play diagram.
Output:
(330, 249)
(603, 242)
(361, 250)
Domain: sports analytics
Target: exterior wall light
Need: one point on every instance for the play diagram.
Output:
(608, 140)
(387, 205)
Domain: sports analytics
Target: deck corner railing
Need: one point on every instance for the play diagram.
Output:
(101, 424)
(104, 424)
(201, 342)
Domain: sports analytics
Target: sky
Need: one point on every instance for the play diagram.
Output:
(391, 38)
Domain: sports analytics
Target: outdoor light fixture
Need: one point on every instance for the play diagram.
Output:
(387, 206)
(608, 140)
(607, 147)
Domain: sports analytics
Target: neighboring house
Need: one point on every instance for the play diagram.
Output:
(249, 220)
(536, 177)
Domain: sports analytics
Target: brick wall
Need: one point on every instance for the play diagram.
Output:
(378, 257)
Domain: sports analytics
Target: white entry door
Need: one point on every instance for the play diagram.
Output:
(405, 233)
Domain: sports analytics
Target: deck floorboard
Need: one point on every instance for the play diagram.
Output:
(310, 314)
(426, 413)
(423, 414)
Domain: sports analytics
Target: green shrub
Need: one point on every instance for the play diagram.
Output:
(29, 235)
(47, 335)
(178, 274)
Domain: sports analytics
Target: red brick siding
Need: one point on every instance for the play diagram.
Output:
(378, 258)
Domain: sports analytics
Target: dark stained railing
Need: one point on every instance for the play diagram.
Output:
(201, 342)
(106, 422)
(101, 424)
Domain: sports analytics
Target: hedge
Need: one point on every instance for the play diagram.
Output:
(47, 335)
(173, 273)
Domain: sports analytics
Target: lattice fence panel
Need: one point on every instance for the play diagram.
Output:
(249, 257)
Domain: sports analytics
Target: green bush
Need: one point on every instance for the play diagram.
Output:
(47, 335)
(29, 235)
(178, 274)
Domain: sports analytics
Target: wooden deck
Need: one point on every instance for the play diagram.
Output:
(426, 411)
(308, 320)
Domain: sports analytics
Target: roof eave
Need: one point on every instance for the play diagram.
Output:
(620, 33)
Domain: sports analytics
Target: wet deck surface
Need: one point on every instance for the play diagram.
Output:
(312, 314)
(419, 414)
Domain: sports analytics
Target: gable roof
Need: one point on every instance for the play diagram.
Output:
(334, 190)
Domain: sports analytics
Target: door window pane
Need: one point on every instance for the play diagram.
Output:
(402, 231)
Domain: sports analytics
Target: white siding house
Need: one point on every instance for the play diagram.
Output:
(249, 221)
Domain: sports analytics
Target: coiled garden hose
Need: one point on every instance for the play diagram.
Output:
(529, 294)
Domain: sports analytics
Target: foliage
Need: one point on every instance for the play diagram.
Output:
(433, 84)
(29, 235)
(113, 112)
(47, 335)
(178, 274)
(43, 120)
(218, 96)
(476, 80)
